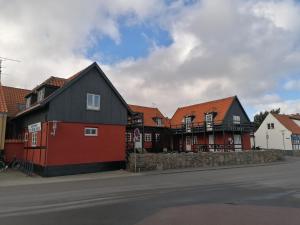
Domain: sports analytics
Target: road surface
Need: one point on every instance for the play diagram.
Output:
(251, 195)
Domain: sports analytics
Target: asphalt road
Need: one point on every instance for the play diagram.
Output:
(252, 195)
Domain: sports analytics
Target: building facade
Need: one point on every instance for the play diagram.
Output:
(74, 125)
(279, 131)
(153, 126)
(220, 125)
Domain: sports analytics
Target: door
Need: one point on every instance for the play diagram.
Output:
(237, 140)
(211, 142)
(188, 143)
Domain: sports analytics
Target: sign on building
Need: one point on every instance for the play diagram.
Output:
(34, 127)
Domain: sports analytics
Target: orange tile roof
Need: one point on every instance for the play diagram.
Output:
(13, 98)
(220, 106)
(287, 121)
(3, 106)
(149, 114)
(53, 81)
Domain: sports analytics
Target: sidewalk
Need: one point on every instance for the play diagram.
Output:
(16, 178)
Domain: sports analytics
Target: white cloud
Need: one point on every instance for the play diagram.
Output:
(292, 85)
(220, 47)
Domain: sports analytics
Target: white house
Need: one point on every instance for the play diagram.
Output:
(279, 131)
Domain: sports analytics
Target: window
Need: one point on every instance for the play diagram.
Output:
(159, 122)
(148, 137)
(33, 139)
(128, 137)
(188, 123)
(270, 126)
(157, 137)
(236, 120)
(41, 94)
(92, 102)
(90, 131)
(209, 121)
(28, 102)
(26, 137)
(195, 140)
(209, 117)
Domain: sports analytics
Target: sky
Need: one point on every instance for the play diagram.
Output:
(161, 53)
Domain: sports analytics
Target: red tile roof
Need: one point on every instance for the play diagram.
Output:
(287, 121)
(149, 114)
(3, 106)
(52, 81)
(220, 106)
(14, 97)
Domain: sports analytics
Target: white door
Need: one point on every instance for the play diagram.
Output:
(211, 141)
(237, 140)
(138, 143)
(188, 143)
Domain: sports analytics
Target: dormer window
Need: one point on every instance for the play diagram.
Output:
(159, 122)
(28, 102)
(209, 121)
(236, 119)
(41, 95)
(188, 123)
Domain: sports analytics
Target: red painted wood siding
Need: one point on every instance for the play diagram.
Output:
(70, 146)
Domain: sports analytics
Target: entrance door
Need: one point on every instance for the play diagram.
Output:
(211, 142)
(188, 143)
(237, 140)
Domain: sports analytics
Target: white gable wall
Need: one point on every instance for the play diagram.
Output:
(297, 122)
(276, 139)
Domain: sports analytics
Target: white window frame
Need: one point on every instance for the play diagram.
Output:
(157, 137)
(41, 95)
(26, 136)
(195, 140)
(128, 137)
(209, 119)
(159, 122)
(33, 139)
(148, 137)
(236, 119)
(28, 102)
(95, 105)
(90, 134)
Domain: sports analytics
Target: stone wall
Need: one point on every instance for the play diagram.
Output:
(295, 153)
(165, 161)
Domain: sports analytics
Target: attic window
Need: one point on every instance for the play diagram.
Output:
(271, 126)
(41, 94)
(92, 102)
(236, 119)
(28, 102)
(159, 122)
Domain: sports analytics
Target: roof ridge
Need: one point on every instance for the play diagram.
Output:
(212, 101)
(6, 86)
(144, 106)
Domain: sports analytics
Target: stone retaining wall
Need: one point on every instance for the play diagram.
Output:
(295, 153)
(165, 161)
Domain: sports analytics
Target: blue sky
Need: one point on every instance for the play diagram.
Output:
(166, 53)
(136, 42)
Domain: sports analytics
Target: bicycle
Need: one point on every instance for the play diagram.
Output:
(3, 165)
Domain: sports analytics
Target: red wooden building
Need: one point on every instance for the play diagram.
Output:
(73, 125)
(153, 126)
(220, 125)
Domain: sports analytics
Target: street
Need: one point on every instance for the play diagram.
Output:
(268, 194)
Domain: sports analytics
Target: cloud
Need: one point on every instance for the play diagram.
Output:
(52, 38)
(292, 85)
(219, 47)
